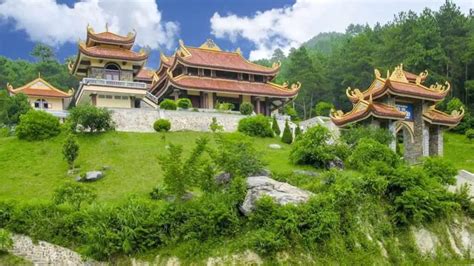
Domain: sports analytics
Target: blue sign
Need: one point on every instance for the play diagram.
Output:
(407, 109)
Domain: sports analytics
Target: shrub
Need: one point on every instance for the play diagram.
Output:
(158, 193)
(90, 117)
(470, 134)
(255, 126)
(6, 241)
(369, 151)
(312, 148)
(246, 108)
(162, 125)
(355, 133)
(37, 125)
(287, 136)
(323, 108)
(275, 127)
(73, 194)
(184, 103)
(440, 169)
(297, 131)
(288, 110)
(236, 155)
(168, 104)
(70, 150)
(4, 132)
(215, 126)
(223, 106)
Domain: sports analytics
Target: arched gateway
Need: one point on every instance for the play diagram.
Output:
(402, 104)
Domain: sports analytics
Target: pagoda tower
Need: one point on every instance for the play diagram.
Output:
(401, 102)
(112, 73)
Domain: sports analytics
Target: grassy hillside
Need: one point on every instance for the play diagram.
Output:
(460, 151)
(30, 171)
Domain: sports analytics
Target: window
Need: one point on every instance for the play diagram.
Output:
(42, 104)
(226, 75)
(207, 72)
(108, 96)
(245, 77)
(124, 97)
(117, 97)
(258, 78)
(192, 71)
(101, 96)
(112, 71)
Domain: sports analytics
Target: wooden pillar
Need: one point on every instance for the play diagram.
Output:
(94, 99)
(201, 100)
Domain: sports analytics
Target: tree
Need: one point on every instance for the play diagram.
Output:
(287, 137)
(323, 108)
(12, 107)
(71, 150)
(43, 52)
(90, 117)
(275, 127)
(73, 194)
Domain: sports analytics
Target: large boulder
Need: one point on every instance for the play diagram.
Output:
(281, 193)
(90, 176)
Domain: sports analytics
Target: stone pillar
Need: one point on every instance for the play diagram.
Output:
(392, 129)
(436, 141)
(426, 139)
(258, 106)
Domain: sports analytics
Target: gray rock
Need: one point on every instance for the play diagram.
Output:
(93, 175)
(223, 178)
(305, 172)
(263, 172)
(281, 193)
(336, 163)
(274, 146)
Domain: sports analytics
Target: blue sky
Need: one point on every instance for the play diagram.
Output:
(256, 26)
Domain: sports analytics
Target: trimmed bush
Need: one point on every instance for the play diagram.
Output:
(90, 117)
(37, 125)
(168, 104)
(184, 103)
(258, 125)
(287, 137)
(246, 108)
(470, 134)
(275, 127)
(223, 106)
(297, 131)
(162, 125)
(369, 151)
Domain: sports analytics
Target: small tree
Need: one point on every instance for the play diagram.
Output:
(90, 117)
(162, 125)
(73, 194)
(470, 134)
(287, 137)
(275, 126)
(42, 52)
(246, 108)
(297, 131)
(215, 126)
(71, 150)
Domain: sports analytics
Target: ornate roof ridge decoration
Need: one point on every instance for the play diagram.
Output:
(363, 109)
(209, 44)
(99, 37)
(435, 116)
(133, 56)
(439, 88)
(183, 50)
(421, 77)
(11, 89)
(398, 74)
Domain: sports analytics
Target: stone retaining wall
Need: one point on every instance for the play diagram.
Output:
(44, 253)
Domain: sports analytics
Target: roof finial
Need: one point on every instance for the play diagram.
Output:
(39, 74)
(106, 26)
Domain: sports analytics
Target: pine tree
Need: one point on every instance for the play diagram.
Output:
(275, 126)
(297, 131)
(287, 137)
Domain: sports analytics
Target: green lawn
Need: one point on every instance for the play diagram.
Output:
(30, 171)
(459, 150)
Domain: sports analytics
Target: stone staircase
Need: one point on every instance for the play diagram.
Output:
(44, 253)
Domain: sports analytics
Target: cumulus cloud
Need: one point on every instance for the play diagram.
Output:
(52, 23)
(293, 25)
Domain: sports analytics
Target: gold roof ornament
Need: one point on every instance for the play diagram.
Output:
(336, 113)
(155, 78)
(276, 64)
(458, 113)
(377, 73)
(89, 28)
(9, 86)
(398, 74)
(209, 44)
(440, 88)
(285, 84)
(183, 51)
(238, 51)
(296, 86)
(354, 93)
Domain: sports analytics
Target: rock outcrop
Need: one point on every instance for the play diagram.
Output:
(281, 193)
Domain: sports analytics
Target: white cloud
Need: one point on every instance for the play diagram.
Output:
(291, 26)
(55, 24)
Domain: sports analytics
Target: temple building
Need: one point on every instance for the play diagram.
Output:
(208, 76)
(112, 73)
(44, 96)
(401, 103)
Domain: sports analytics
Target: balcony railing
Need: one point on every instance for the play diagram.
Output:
(114, 83)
